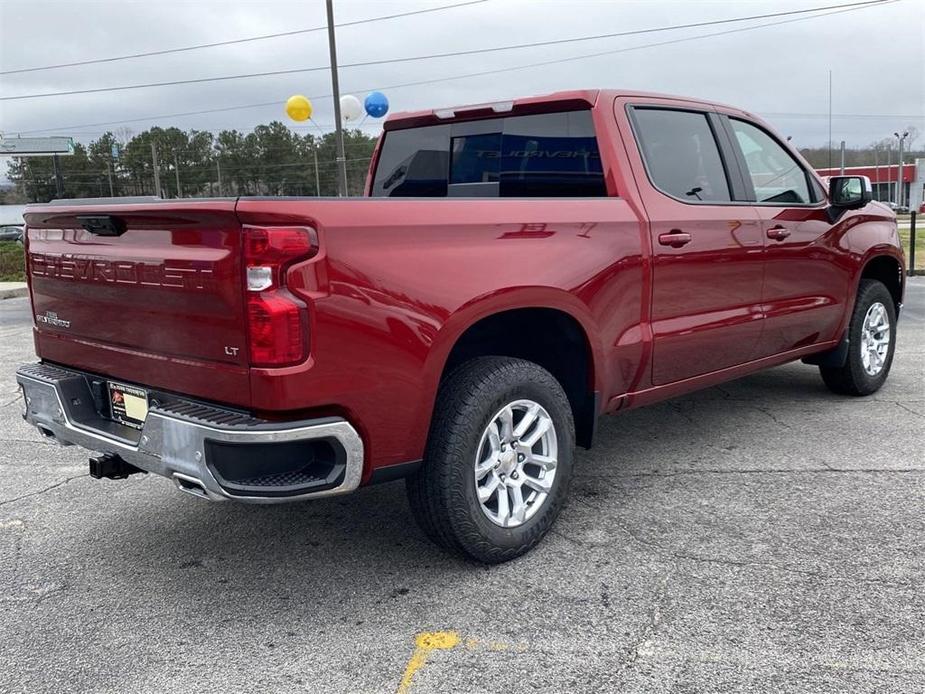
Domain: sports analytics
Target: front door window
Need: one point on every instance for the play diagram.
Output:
(776, 176)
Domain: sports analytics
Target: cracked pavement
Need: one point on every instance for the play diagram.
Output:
(760, 536)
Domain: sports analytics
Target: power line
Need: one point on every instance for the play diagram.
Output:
(890, 116)
(262, 37)
(369, 126)
(215, 129)
(72, 130)
(158, 117)
(302, 165)
(482, 73)
(369, 63)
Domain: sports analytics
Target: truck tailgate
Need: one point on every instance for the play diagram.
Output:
(160, 304)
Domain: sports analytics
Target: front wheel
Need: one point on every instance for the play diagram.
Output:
(871, 342)
(498, 461)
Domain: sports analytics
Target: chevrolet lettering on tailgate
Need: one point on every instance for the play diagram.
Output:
(70, 266)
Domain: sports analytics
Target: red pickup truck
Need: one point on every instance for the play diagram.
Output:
(515, 270)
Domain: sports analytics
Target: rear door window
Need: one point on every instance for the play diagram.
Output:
(681, 154)
(544, 155)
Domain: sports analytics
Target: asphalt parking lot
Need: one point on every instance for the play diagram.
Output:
(762, 536)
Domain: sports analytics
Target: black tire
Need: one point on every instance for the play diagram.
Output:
(852, 378)
(443, 494)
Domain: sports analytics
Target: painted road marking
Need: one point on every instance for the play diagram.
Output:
(428, 641)
(424, 643)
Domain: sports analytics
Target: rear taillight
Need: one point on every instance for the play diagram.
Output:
(277, 321)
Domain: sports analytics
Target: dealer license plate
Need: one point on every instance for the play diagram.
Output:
(128, 404)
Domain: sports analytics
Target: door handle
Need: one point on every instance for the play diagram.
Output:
(674, 238)
(778, 233)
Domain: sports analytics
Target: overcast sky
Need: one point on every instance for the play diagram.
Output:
(876, 55)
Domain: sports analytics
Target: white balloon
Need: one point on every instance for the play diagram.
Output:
(350, 107)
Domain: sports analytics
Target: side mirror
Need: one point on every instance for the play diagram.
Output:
(850, 192)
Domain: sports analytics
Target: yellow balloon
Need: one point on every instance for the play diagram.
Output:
(298, 108)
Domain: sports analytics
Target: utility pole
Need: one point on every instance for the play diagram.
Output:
(830, 120)
(877, 169)
(899, 171)
(338, 131)
(842, 157)
(317, 182)
(889, 159)
(113, 155)
(218, 167)
(35, 183)
(59, 181)
(176, 170)
(157, 174)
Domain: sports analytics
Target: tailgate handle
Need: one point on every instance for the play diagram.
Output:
(103, 225)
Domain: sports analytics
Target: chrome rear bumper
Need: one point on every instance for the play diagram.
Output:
(182, 439)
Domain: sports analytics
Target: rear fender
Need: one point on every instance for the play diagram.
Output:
(498, 302)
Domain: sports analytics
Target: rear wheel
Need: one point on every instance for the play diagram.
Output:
(498, 461)
(871, 342)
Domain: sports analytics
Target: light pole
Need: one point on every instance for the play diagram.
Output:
(877, 169)
(830, 119)
(157, 172)
(176, 170)
(899, 174)
(218, 168)
(338, 132)
(889, 160)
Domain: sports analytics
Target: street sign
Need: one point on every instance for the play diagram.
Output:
(114, 150)
(35, 146)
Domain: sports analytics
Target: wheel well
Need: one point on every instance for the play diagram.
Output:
(889, 271)
(548, 337)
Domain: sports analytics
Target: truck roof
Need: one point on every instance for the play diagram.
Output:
(575, 99)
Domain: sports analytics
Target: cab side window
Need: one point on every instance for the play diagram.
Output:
(539, 155)
(681, 154)
(776, 176)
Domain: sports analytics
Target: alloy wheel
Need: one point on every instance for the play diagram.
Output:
(515, 464)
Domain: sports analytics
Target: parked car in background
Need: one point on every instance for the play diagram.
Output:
(517, 270)
(11, 232)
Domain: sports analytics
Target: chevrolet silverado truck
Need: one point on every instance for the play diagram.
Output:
(515, 270)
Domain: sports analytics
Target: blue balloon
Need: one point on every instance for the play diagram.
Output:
(376, 104)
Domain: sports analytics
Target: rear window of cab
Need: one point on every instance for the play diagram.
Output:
(543, 155)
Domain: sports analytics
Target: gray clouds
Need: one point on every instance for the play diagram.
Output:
(876, 55)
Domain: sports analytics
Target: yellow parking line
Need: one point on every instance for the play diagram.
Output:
(424, 643)
(428, 641)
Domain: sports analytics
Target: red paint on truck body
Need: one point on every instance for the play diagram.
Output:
(396, 282)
